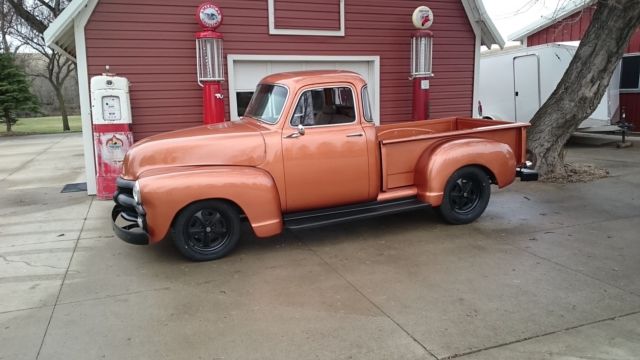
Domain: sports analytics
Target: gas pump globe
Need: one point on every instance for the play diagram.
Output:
(421, 52)
(209, 62)
(421, 61)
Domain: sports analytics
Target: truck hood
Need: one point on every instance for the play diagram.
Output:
(229, 143)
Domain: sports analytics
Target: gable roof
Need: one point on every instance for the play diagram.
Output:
(545, 22)
(60, 35)
(478, 16)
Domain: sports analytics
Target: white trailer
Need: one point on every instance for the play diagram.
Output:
(514, 83)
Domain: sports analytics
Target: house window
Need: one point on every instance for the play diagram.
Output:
(630, 74)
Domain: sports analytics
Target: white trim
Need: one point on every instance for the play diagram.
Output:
(482, 24)
(476, 67)
(65, 20)
(274, 31)
(476, 78)
(546, 21)
(374, 67)
(83, 88)
(60, 50)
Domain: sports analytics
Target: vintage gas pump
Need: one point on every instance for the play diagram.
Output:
(421, 56)
(209, 62)
(111, 116)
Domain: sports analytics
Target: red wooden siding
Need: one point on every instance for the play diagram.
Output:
(573, 28)
(631, 104)
(308, 15)
(152, 43)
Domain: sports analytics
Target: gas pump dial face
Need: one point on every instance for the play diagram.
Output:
(111, 108)
(209, 16)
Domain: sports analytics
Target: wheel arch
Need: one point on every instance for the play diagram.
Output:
(435, 167)
(250, 190)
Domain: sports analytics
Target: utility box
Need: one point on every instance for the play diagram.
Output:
(111, 117)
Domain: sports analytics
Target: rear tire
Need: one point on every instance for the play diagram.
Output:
(466, 195)
(207, 230)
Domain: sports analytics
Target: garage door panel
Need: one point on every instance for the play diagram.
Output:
(248, 73)
(277, 67)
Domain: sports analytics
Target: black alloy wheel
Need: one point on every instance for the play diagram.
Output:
(207, 230)
(466, 195)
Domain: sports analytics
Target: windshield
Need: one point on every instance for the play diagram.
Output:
(267, 103)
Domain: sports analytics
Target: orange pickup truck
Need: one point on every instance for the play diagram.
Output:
(307, 153)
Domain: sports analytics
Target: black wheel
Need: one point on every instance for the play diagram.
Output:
(207, 230)
(466, 195)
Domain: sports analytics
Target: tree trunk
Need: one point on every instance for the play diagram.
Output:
(583, 84)
(7, 118)
(63, 108)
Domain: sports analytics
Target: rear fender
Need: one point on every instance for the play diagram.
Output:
(436, 166)
(252, 189)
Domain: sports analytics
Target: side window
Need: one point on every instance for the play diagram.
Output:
(366, 105)
(325, 106)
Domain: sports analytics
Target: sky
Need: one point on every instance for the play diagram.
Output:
(509, 16)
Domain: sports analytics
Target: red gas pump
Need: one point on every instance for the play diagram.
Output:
(421, 59)
(209, 62)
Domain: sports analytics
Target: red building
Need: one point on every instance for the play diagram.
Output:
(571, 26)
(152, 44)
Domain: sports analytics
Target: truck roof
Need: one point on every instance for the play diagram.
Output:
(303, 78)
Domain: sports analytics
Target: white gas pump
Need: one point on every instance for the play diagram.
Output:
(111, 116)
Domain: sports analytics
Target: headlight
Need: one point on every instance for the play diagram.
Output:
(136, 193)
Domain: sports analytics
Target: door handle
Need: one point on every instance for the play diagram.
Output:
(354, 135)
(292, 135)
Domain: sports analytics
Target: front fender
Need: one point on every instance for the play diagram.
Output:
(252, 189)
(436, 166)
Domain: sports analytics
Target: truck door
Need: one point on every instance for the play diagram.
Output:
(526, 86)
(325, 151)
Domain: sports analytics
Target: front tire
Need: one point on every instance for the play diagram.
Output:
(466, 195)
(207, 230)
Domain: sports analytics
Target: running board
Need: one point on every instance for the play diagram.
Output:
(324, 217)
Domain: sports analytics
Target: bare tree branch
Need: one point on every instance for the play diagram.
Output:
(31, 19)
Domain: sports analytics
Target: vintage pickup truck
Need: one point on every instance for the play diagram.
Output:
(307, 153)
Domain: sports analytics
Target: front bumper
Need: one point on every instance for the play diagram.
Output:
(134, 214)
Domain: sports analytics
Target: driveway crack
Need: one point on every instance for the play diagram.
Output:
(352, 285)
(3, 257)
(64, 278)
(459, 355)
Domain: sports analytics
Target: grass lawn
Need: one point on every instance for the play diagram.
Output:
(41, 125)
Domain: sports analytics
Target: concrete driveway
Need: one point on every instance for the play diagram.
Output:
(549, 272)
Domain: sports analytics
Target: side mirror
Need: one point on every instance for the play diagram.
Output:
(300, 129)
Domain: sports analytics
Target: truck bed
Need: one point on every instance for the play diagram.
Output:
(401, 144)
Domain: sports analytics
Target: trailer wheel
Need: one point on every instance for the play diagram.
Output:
(207, 230)
(466, 195)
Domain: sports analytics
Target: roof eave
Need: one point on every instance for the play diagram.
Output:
(541, 24)
(489, 34)
(63, 28)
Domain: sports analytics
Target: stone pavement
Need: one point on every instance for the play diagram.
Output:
(549, 272)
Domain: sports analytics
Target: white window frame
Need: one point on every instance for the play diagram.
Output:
(304, 32)
(374, 68)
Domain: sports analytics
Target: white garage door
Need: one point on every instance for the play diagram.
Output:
(245, 71)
